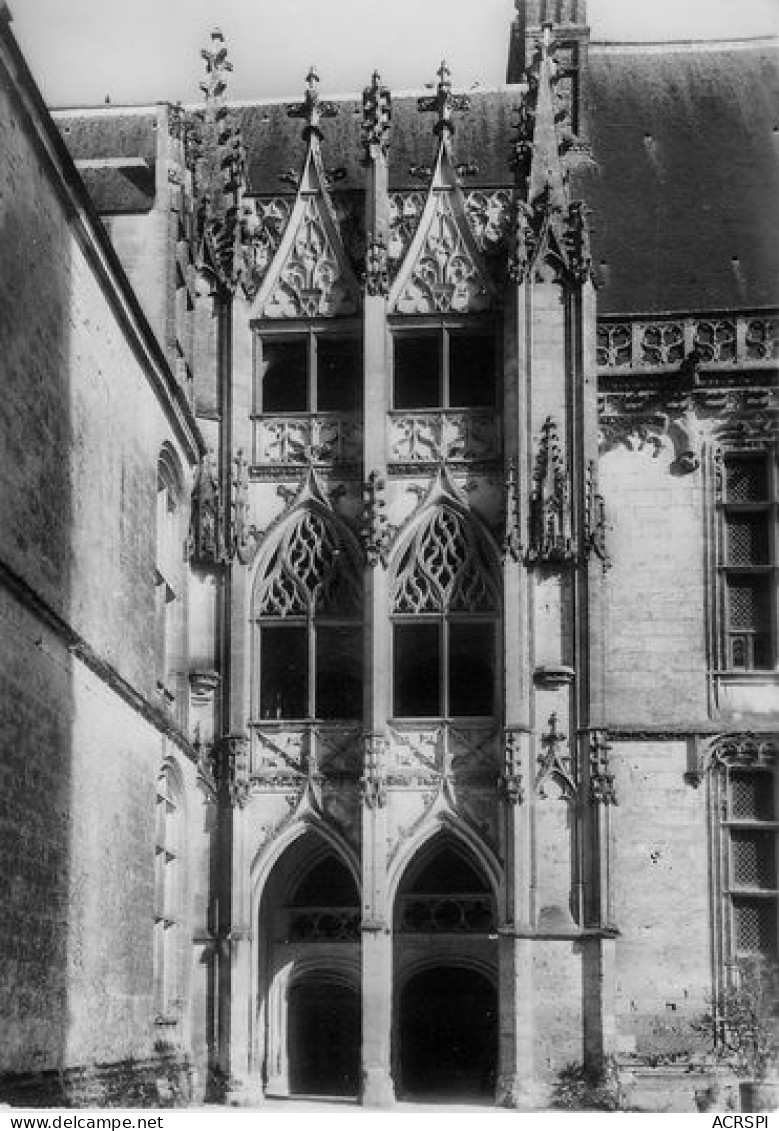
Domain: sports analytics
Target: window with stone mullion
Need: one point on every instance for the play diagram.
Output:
(751, 830)
(749, 561)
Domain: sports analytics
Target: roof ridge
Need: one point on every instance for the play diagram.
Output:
(605, 46)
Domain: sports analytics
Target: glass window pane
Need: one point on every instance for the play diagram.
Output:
(417, 670)
(417, 369)
(283, 672)
(338, 374)
(285, 376)
(471, 370)
(338, 672)
(471, 669)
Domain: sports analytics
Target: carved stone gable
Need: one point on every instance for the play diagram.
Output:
(444, 270)
(310, 275)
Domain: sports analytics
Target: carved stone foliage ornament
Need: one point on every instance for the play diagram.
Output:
(312, 439)
(511, 781)
(373, 781)
(594, 517)
(376, 276)
(263, 223)
(602, 790)
(231, 765)
(434, 437)
(743, 749)
(551, 532)
(512, 536)
(376, 116)
(445, 277)
(219, 159)
(659, 344)
(375, 531)
(311, 280)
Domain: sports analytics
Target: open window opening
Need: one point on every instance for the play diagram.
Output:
(308, 608)
(310, 372)
(749, 566)
(445, 611)
(444, 368)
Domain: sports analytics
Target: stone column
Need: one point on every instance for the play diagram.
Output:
(377, 1088)
(515, 988)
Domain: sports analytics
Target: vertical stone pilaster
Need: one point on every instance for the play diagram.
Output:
(377, 1086)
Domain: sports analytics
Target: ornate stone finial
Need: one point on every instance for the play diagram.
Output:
(551, 524)
(217, 64)
(376, 114)
(312, 109)
(444, 103)
(220, 170)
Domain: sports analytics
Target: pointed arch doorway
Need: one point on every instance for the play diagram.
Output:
(446, 1006)
(309, 1012)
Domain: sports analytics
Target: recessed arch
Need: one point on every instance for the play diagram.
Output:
(443, 829)
(320, 838)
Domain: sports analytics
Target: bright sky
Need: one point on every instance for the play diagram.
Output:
(147, 50)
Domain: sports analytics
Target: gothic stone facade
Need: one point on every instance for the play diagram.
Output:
(395, 666)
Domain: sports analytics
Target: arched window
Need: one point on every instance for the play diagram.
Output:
(168, 569)
(168, 895)
(445, 610)
(308, 608)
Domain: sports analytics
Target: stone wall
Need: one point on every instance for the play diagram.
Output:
(84, 416)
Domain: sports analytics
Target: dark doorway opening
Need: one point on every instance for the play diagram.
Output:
(323, 1039)
(448, 1035)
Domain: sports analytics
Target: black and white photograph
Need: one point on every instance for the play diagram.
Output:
(389, 558)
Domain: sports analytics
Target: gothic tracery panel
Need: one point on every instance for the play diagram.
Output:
(443, 569)
(308, 572)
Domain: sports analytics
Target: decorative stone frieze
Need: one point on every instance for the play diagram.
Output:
(433, 437)
(318, 438)
(664, 343)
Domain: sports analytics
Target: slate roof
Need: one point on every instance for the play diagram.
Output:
(114, 134)
(483, 135)
(683, 186)
(685, 191)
